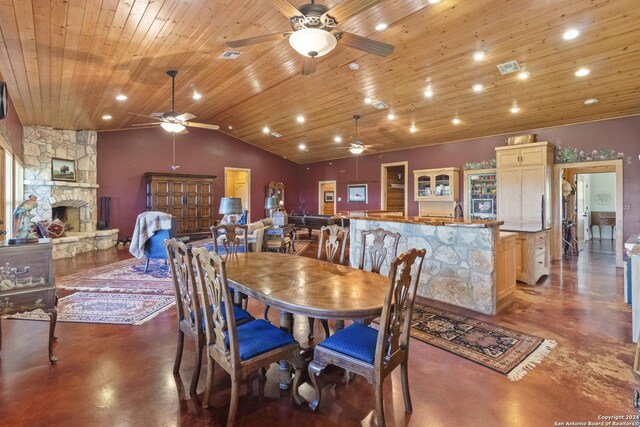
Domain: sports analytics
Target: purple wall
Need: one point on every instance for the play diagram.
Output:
(124, 156)
(622, 135)
(11, 130)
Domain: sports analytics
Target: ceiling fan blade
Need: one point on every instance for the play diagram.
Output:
(308, 66)
(145, 124)
(185, 116)
(347, 9)
(286, 8)
(201, 125)
(365, 44)
(144, 115)
(257, 39)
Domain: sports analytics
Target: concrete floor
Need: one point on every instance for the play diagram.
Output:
(122, 375)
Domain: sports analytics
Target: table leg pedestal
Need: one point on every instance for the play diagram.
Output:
(286, 324)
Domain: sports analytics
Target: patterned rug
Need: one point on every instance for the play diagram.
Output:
(118, 309)
(129, 275)
(122, 276)
(504, 350)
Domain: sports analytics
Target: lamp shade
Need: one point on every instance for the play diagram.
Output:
(271, 203)
(312, 42)
(230, 206)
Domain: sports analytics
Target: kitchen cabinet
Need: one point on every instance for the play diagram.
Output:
(523, 186)
(436, 184)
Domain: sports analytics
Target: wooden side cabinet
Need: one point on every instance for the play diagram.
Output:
(532, 261)
(27, 283)
(187, 197)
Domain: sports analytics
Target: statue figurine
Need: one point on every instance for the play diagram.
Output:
(22, 218)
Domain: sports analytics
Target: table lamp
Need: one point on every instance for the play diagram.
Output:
(271, 203)
(230, 206)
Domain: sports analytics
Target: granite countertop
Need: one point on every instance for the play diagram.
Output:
(450, 222)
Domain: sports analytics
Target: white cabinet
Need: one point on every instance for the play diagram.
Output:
(524, 185)
(436, 184)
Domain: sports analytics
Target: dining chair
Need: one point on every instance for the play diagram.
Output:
(372, 353)
(238, 349)
(373, 255)
(190, 313)
(233, 239)
(333, 239)
(279, 239)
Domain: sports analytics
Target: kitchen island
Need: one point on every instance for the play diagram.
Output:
(461, 263)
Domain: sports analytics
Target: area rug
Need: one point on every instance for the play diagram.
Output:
(93, 307)
(122, 276)
(507, 351)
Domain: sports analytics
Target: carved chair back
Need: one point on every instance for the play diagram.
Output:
(376, 252)
(330, 240)
(392, 346)
(179, 257)
(235, 237)
(215, 293)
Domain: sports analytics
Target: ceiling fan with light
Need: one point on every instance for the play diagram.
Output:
(172, 121)
(357, 147)
(313, 36)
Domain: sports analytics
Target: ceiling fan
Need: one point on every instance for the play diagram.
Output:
(172, 121)
(357, 147)
(312, 35)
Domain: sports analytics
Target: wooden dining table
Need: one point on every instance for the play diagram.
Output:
(306, 286)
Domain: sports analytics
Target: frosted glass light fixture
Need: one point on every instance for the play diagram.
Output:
(172, 127)
(312, 42)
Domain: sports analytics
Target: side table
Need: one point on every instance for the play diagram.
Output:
(27, 283)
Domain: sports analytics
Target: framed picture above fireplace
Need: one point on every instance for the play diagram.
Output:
(63, 169)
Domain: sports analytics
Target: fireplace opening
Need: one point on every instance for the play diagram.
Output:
(67, 214)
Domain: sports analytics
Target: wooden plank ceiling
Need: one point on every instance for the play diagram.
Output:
(65, 61)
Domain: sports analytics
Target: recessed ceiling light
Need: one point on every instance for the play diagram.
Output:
(302, 146)
(582, 72)
(338, 139)
(428, 92)
(381, 26)
(300, 119)
(107, 117)
(590, 101)
(434, 1)
(391, 116)
(368, 100)
(479, 55)
(478, 87)
(456, 121)
(265, 130)
(571, 34)
(524, 75)
(413, 129)
(354, 66)
(196, 95)
(514, 109)
(230, 127)
(121, 97)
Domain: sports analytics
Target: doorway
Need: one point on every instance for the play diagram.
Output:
(237, 183)
(393, 187)
(326, 197)
(579, 204)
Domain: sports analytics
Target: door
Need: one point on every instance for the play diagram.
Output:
(326, 197)
(533, 182)
(393, 190)
(582, 210)
(509, 193)
(237, 183)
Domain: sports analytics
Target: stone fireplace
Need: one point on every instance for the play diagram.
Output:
(75, 201)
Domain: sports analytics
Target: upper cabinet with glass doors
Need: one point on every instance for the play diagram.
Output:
(436, 184)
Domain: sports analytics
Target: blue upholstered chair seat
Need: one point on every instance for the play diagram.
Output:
(356, 340)
(242, 316)
(257, 337)
(154, 247)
